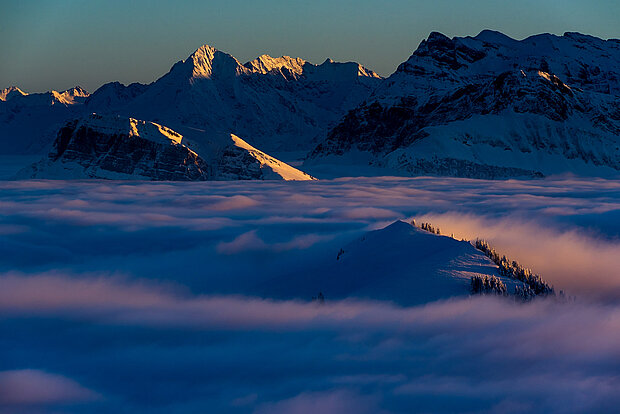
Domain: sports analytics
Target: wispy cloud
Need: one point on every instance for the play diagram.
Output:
(28, 387)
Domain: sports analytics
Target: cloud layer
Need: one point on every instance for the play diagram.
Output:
(146, 297)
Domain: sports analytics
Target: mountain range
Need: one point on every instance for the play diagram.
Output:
(487, 106)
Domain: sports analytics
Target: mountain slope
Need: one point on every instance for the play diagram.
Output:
(399, 263)
(491, 107)
(114, 147)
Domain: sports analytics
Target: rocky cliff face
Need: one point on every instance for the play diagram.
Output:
(114, 147)
(84, 149)
(490, 107)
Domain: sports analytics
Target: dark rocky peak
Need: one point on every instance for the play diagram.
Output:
(113, 94)
(584, 38)
(439, 48)
(444, 52)
(494, 37)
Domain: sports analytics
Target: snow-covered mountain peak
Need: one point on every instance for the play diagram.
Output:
(441, 62)
(11, 92)
(208, 61)
(346, 67)
(399, 226)
(343, 71)
(277, 104)
(70, 96)
(265, 64)
(493, 36)
(204, 53)
(365, 72)
(328, 70)
(78, 91)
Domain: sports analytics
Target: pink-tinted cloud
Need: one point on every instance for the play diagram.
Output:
(232, 203)
(369, 213)
(549, 327)
(553, 353)
(576, 262)
(250, 242)
(34, 387)
(332, 402)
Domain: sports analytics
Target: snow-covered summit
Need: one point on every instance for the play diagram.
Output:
(71, 96)
(10, 92)
(15, 96)
(265, 64)
(207, 61)
(326, 71)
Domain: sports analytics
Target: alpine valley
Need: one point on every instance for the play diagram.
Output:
(486, 106)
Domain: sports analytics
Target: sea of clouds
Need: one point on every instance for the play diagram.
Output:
(149, 297)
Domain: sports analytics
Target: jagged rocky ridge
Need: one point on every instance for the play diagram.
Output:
(492, 107)
(114, 147)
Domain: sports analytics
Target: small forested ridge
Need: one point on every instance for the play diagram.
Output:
(534, 284)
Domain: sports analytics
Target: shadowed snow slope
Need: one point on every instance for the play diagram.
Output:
(29, 122)
(398, 263)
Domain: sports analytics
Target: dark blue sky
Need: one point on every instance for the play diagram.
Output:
(58, 44)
